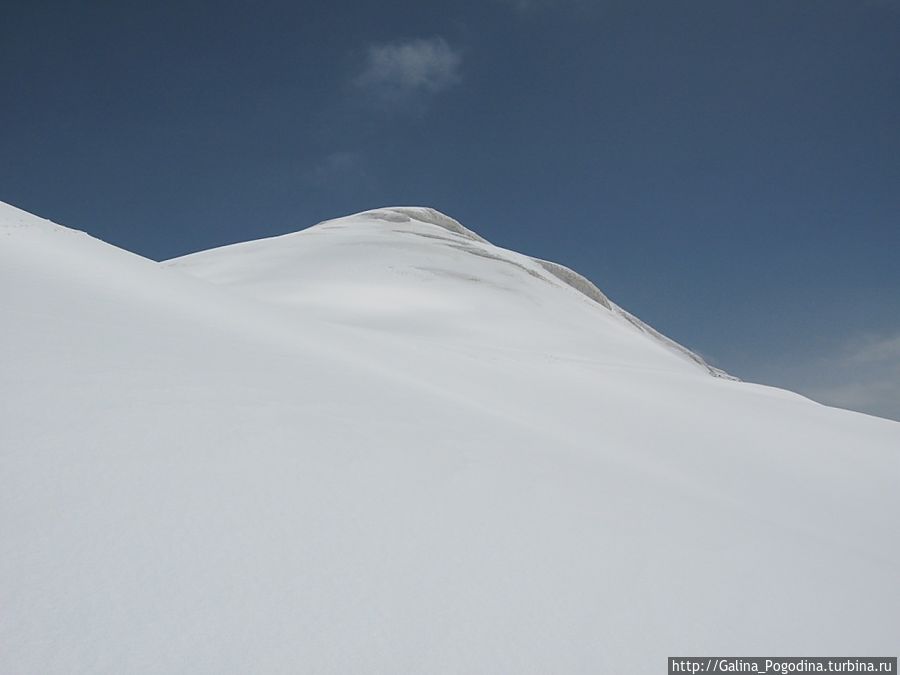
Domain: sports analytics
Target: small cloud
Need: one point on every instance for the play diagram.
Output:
(399, 71)
(530, 7)
(882, 350)
(524, 5)
(342, 165)
(862, 374)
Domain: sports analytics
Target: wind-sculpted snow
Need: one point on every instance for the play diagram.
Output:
(576, 281)
(401, 214)
(382, 446)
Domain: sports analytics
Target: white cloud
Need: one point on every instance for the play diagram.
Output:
(397, 71)
(336, 164)
(883, 350)
(862, 374)
(339, 170)
(523, 5)
(527, 5)
(532, 7)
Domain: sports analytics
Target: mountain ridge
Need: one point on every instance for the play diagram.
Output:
(391, 221)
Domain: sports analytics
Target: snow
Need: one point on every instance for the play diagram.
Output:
(384, 445)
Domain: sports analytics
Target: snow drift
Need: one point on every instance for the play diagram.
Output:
(384, 445)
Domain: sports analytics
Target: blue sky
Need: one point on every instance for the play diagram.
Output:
(728, 171)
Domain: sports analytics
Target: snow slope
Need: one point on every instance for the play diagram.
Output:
(382, 445)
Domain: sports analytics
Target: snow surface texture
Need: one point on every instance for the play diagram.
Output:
(383, 445)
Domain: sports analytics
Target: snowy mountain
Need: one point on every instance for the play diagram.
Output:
(384, 445)
(415, 271)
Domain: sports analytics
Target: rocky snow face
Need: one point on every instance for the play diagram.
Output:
(383, 445)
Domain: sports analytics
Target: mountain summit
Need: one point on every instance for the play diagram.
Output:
(384, 445)
(417, 271)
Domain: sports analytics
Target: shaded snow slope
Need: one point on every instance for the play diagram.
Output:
(249, 476)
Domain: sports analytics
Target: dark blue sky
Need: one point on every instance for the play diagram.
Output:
(728, 171)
